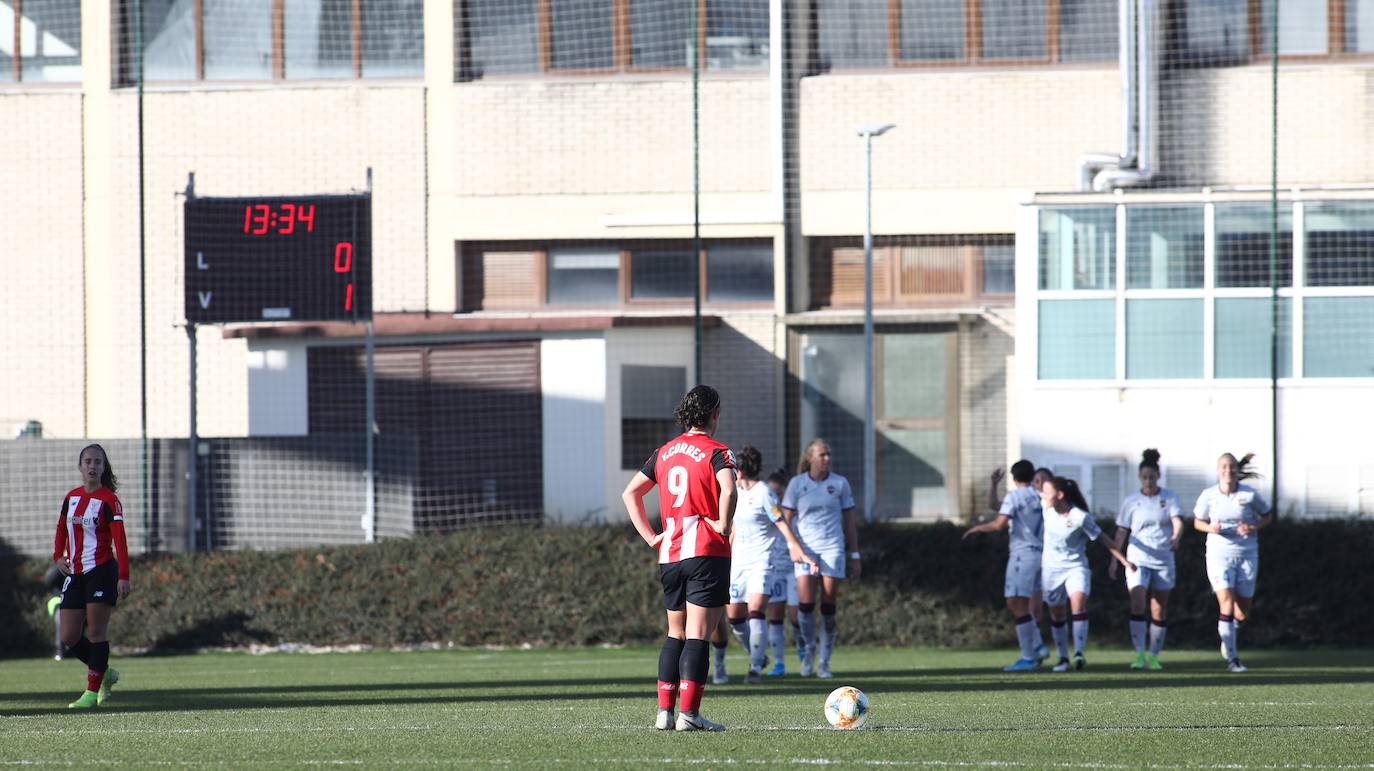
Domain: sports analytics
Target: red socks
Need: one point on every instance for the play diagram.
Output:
(94, 679)
(691, 695)
(667, 695)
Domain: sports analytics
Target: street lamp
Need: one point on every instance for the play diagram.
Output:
(868, 131)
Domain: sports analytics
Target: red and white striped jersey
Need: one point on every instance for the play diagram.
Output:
(90, 530)
(688, 492)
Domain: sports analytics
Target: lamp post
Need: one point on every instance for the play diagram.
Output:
(868, 131)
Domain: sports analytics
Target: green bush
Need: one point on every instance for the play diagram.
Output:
(921, 585)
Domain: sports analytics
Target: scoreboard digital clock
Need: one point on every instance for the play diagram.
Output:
(306, 258)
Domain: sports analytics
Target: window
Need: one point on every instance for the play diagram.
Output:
(1164, 338)
(1214, 33)
(1242, 337)
(1077, 339)
(662, 273)
(1078, 248)
(1243, 239)
(932, 30)
(1087, 30)
(584, 275)
(501, 37)
(1014, 29)
(853, 33)
(238, 39)
(1340, 243)
(913, 271)
(49, 41)
(1358, 33)
(648, 396)
(739, 273)
(1303, 29)
(1164, 247)
(1226, 32)
(999, 269)
(1338, 336)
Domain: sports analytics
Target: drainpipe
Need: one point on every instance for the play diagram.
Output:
(1147, 94)
(1091, 164)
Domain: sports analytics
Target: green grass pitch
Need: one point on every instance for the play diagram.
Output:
(593, 709)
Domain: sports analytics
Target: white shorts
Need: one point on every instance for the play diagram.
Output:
(1023, 574)
(832, 561)
(1156, 579)
(788, 588)
(758, 578)
(1059, 583)
(1236, 572)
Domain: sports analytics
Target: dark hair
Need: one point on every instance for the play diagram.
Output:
(1149, 459)
(696, 407)
(1022, 471)
(108, 478)
(804, 462)
(1042, 470)
(779, 476)
(1243, 470)
(1070, 490)
(749, 460)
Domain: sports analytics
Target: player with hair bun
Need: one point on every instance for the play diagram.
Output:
(1232, 514)
(695, 476)
(777, 636)
(1064, 573)
(1153, 521)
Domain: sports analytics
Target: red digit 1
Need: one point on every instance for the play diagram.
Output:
(343, 257)
(348, 297)
(247, 217)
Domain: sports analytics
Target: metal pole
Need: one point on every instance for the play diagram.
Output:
(696, 193)
(192, 456)
(370, 513)
(149, 533)
(870, 442)
(1274, 252)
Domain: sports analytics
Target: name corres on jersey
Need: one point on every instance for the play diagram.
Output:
(683, 448)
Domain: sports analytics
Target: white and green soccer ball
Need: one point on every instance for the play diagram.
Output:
(846, 707)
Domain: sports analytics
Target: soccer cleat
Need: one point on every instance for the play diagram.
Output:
(1155, 666)
(664, 721)
(1062, 666)
(1078, 661)
(823, 671)
(753, 678)
(88, 700)
(806, 666)
(111, 677)
(1022, 665)
(1235, 667)
(1042, 653)
(691, 721)
(778, 670)
(1139, 662)
(720, 678)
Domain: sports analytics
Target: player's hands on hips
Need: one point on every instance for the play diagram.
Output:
(123, 589)
(64, 566)
(656, 540)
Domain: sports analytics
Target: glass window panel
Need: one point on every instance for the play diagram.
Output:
(1077, 339)
(1087, 30)
(661, 273)
(1164, 338)
(169, 40)
(583, 34)
(1359, 25)
(1338, 336)
(393, 38)
(318, 38)
(832, 399)
(49, 40)
(739, 273)
(648, 396)
(238, 39)
(932, 29)
(584, 274)
(1242, 248)
(911, 473)
(1014, 29)
(1214, 33)
(1340, 243)
(502, 37)
(1242, 337)
(1078, 248)
(736, 34)
(1302, 27)
(1164, 247)
(913, 375)
(999, 269)
(660, 33)
(852, 33)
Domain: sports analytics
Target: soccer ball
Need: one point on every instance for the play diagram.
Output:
(846, 707)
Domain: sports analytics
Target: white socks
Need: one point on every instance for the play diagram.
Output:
(1060, 630)
(758, 643)
(807, 620)
(1028, 634)
(1157, 630)
(1226, 630)
(1138, 633)
(1080, 631)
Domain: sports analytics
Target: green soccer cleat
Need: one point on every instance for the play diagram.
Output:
(53, 604)
(88, 700)
(111, 677)
(1139, 662)
(1155, 666)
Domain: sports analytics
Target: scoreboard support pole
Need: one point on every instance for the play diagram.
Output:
(191, 452)
(370, 507)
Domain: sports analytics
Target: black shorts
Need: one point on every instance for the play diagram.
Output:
(99, 584)
(703, 581)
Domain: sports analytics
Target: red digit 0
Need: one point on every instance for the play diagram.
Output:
(343, 257)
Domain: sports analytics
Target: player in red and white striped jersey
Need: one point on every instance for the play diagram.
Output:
(695, 475)
(91, 551)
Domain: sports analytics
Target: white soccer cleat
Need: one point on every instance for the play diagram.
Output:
(823, 671)
(691, 721)
(664, 721)
(753, 678)
(807, 666)
(1235, 667)
(1062, 666)
(720, 678)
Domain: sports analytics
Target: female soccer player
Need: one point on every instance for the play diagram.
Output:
(91, 551)
(1153, 520)
(777, 638)
(695, 475)
(1064, 573)
(1232, 514)
(1020, 511)
(821, 505)
(761, 534)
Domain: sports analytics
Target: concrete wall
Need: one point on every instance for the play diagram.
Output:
(573, 382)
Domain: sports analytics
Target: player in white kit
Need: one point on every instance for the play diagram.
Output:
(820, 505)
(1064, 573)
(764, 549)
(1020, 512)
(1153, 521)
(1232, 514)
(777, 639)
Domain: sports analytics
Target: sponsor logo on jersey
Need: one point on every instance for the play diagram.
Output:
(830, 489)
(100, 593)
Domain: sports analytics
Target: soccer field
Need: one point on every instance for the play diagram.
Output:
(593, 709)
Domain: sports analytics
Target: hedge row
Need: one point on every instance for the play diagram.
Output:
(922, 585)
